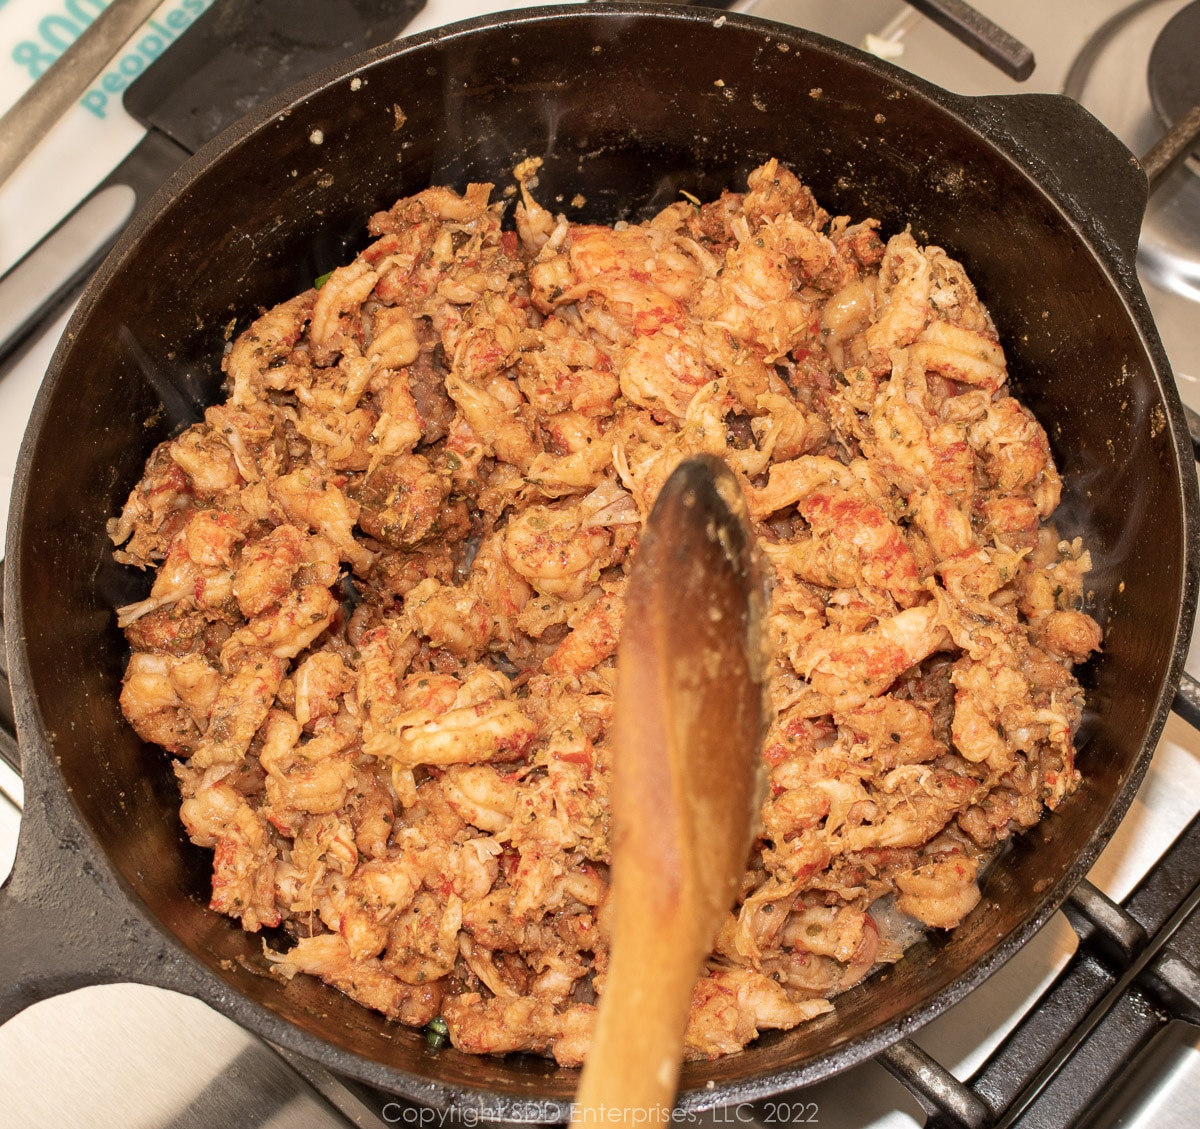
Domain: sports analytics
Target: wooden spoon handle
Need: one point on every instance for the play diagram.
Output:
(684, 791)
(633, 1063)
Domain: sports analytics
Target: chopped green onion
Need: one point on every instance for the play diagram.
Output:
(320, 280)
(437, 1033)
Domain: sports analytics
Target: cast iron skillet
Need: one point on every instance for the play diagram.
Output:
(627, 106)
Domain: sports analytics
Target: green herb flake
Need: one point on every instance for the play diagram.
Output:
(437, 1033)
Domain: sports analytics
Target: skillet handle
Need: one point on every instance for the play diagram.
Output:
(55, 915)
(1090, 172)
(65, 921)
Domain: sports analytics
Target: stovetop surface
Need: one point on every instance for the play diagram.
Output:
(132, 1056)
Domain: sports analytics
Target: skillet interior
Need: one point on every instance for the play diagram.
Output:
(255, 217)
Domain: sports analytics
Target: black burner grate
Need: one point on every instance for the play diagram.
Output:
(1133, 977)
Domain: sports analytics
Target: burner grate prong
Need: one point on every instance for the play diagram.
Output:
(1104, 926)
(1174, 982)
(949, 1103)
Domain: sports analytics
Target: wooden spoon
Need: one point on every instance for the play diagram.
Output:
(686, 782)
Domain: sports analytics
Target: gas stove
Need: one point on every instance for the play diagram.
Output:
(1095, 1022)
